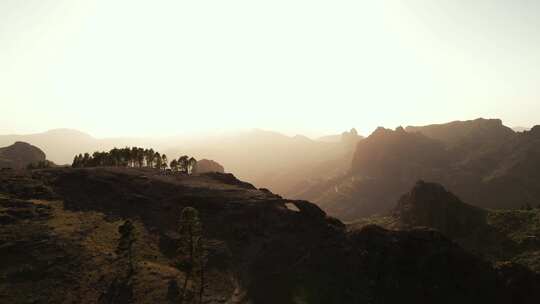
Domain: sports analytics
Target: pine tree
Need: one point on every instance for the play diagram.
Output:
(183, 164)
(125, 245)
(191, 254)
(174, 165)
(164, 162)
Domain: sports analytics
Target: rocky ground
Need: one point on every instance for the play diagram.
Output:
(59, 234)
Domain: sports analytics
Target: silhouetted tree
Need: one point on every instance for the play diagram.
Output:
(149, 157)
(191, 255)
(78, 161)
(133, 156)
(183, 163)
(115, 157)
(174, 165)
(125, 157)
(140, 157)
(157, 161)
(125, 244)
(163, 161)
(86, 159)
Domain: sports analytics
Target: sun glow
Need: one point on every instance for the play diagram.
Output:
(315, 67)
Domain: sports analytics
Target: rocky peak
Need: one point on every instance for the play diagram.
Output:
(431, 205)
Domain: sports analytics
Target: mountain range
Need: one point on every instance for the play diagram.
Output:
(267, 159)
(482, 161)
(440, 213)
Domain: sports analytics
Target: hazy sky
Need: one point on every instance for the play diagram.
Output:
(127, 67)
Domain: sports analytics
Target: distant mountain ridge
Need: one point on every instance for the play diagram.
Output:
(484, 162)
(281, 163)
(61, 145)
(284, 164)
(458, 132)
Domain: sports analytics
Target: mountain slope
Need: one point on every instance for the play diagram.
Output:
(384, 165)
(482, 161)
(60, 246)
(498, 235)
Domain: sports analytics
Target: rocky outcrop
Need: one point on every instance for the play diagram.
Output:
(207, 165)
(397, 154)
(19, 155)
(430, 205)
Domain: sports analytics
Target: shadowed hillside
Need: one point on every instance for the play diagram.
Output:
(60, 235)
(498, 235)
(430, 205)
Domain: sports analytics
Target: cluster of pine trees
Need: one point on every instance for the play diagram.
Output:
(134, 157)
(184, 164)
(126, 157)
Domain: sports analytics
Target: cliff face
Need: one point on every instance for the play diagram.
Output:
(19, 155)
(385, 165)
(397, 154)
(61, 246)
(483, 162)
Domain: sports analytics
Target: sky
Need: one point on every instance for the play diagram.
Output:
(158, 68)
